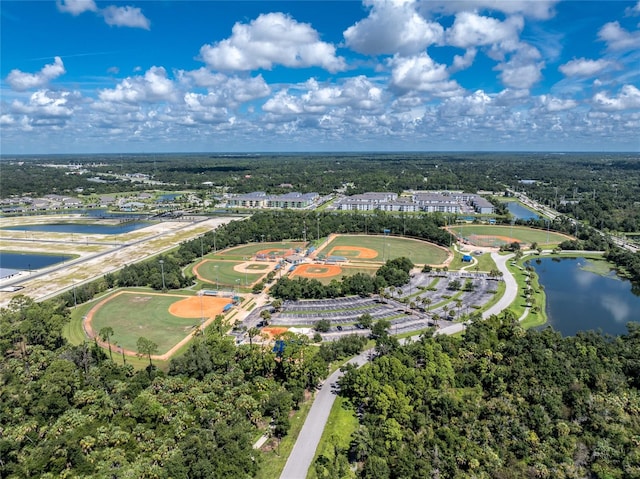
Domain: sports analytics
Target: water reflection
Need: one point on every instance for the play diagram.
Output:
(579, 300)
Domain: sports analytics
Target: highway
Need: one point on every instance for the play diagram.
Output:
(553, 214)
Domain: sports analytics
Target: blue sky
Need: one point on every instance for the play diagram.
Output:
(86, 76)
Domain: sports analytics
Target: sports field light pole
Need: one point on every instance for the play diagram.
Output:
(162, 272)
(200, 293)
(548, 230)
(201, 247)
(75, 300)
(216, 268)
(237, 287)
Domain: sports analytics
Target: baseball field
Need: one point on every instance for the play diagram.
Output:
(378, 249)
(496, 236)
(165, 319)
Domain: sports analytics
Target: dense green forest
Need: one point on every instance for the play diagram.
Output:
(500, 402)
(600, 189)
(69, 411)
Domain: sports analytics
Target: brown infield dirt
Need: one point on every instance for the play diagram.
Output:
(196, 306)
(348, 252)
(325, 271)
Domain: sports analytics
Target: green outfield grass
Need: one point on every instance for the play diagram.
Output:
(521, 234)
(225, 275)
(143, 315)
(389, 247)
(249, 250)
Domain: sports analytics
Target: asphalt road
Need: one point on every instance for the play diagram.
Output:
(305, 447)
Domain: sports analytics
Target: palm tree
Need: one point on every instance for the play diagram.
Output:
(445, 310)
(147, 347)
(105, 335)
(458, 305)
(252, 332)
(428, 302)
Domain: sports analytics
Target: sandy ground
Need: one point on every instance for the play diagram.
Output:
(93, 262)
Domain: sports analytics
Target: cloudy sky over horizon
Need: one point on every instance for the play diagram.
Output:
(86, 76)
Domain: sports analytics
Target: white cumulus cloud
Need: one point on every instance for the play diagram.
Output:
(617, 38)
(462, 62)
(23, 81)
(471, 30)
(583, 67)
(76, 7)
(272, 39)
(524, 68)
(553, 104)
(229, 91)
(627, 99)
(393, 27)
(420, 73)
(154, 86)
(126, 16)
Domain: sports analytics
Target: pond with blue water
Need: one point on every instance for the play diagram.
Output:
(83, 228)
(27, 261)
(520, 212)
(579, 300)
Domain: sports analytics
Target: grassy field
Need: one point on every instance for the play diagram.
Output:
(521, 234)
(222, 273)
(249, 250)
(390, 247)
(143, 315)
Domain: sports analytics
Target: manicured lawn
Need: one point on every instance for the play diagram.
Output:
(222, 273)
(390, 247)
(521, 234)
(249, 250)
(135, 315)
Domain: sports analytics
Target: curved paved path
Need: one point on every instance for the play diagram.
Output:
(305, 447)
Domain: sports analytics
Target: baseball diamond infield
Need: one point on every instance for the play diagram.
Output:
(316, 271)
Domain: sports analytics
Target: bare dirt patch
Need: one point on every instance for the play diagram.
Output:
(273, 331)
